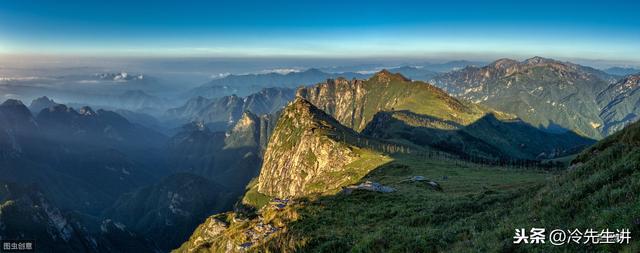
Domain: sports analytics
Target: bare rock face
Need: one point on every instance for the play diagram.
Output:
(205, 234)
(246, 132)
(619, 104)
(251, 131)
(303, 152)
(354, 102)
(340, 98)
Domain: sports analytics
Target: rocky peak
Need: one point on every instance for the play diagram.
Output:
(385, 76)
(247, 118)
(245, 133)
(503, 63)
(627, 84)
(15, 109)
(632, 79)
(536, 60)
(41, 103)
(86, 111)
(12, 103)
(303, 151)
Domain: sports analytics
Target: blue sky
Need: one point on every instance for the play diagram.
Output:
(592, 30)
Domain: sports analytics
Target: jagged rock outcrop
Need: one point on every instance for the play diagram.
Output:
(620, 104)
(66, 124)
(354, 103)
(251, 130)
(204, 235)
(304, 153)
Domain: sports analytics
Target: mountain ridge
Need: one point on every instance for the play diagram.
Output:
(543, 92)
(304, 152)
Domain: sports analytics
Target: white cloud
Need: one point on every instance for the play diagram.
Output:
(88, 81)
(220, 75)
(282, 71)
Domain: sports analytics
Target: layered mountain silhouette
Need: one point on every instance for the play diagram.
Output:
(243, 85)
(544, 92)
(391, 107)
(41, 103)
(311, 155)
(312, 161)
(222, 113)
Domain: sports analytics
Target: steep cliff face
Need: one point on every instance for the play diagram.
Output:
(307, 154)
(245, 133)
(620, 104)
(251, 130)
(354, 103)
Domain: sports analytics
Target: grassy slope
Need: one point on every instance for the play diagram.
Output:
(418, 97)
(479, 207)
(579, 109)
(367, 161)
(477, 211)
(413, 219)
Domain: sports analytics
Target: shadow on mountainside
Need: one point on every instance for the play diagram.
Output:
(487, 138)
(479, 208)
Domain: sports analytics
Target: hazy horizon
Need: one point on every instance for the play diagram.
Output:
(597, 32)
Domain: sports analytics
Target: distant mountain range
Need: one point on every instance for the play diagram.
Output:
(437, 67)
(622, 71)
(302, 195)
(322, 160)
(544, 92)
(72, 165)
(620, 103)
(132, 100)
(41, 103)
(83, 162)
(99, 153)
(222, 113)
(389, 106)
(243, 85)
